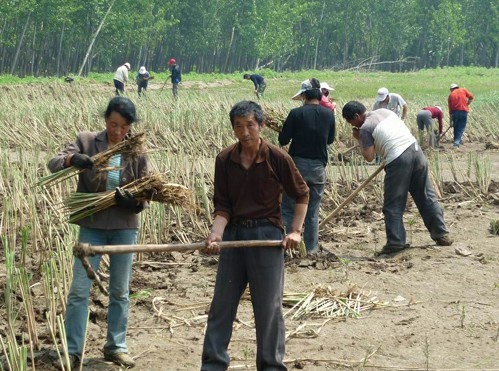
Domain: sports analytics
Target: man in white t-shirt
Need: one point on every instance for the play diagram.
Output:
(406, 171)
(392, 101)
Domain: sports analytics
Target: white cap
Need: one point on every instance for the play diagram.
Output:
(127, 65)
(142, 70)
(440, 108)
(453, 86)
(325, 85)
(382, 94)
(305, 85)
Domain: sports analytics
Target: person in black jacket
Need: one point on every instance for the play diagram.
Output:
(310, 128)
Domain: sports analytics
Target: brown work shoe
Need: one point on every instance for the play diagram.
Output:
(445, 240)
(122, 359)
(62, 364)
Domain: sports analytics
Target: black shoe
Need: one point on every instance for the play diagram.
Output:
(393, 249)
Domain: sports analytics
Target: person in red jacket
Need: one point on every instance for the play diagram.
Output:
(326, 101)
(459, 100)
(424, 119)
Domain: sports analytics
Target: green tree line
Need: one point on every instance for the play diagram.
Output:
(60, 37)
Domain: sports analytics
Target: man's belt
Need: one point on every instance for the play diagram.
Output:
(251, 223)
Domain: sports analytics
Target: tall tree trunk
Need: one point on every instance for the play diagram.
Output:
(139, 57)
(93, 39)
(317, 41)
(228, 48)
(59, 52)
(496, 62)
(18, 49)
(33, 52)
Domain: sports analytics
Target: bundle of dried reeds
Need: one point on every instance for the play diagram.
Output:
(274, 119)
(153, 187)
(326, 302)
(131, 147)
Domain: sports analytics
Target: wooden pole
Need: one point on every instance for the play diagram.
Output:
(350, 198)
(445, 132)
(84, 249)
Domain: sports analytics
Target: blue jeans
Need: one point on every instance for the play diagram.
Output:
(459, 119)
(409, 173)
(77, 304)
(314, 173)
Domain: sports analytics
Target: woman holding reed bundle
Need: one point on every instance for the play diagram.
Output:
(116, 225)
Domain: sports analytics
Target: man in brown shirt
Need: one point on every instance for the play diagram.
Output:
(250, 177)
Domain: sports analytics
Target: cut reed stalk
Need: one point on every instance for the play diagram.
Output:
(149, 188)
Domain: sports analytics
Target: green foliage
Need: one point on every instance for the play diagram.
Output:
(48, 37)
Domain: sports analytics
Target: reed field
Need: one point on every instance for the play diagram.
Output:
(430, 308)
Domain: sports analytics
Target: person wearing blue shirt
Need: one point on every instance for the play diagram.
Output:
(259, 83)
(175, 75)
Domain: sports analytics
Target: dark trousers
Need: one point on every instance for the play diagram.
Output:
(408, 173)
(459, 119)
(142, 86)
(175, 90)
(119, 87)
(263, 269)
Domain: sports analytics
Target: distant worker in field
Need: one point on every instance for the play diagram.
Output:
(259, 83)
(392, 101)
(175, 76)
(250, 177)
(326, 100)
(406, 171)
(459, 100)
(142, 78)
(121, 78)
(425, 121)
(310, 128)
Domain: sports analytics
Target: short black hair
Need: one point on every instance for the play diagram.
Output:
(124, 107)
(351, 108)
(246, 76)
(247, 108)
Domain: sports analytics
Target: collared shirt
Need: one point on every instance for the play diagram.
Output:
(256, 192)
(93, 181)
(459, 99)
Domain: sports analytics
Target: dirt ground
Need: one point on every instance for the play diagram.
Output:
(442, 312)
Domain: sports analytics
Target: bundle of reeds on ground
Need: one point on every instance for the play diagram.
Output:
(131, 147)
(327, 302)
(153, 187)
